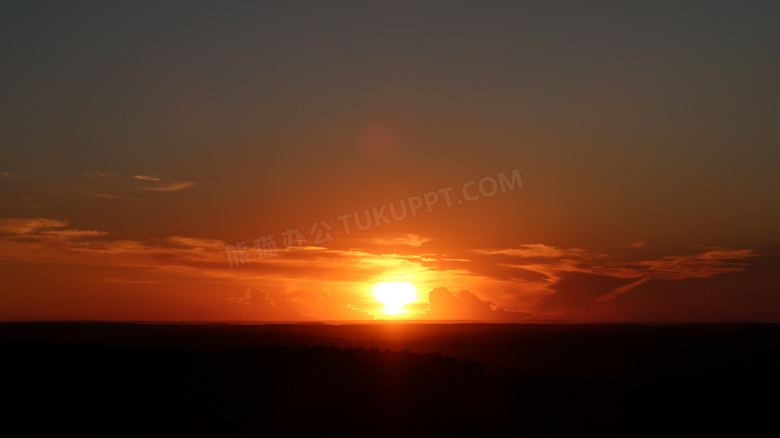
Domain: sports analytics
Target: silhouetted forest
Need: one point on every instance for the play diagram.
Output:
(416, 379)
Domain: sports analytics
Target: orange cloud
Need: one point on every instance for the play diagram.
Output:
(260, 306)
(329, 308)
(412, 240)
(623, 289)
(702, 265)
(147, 178)
(28, 225)
(334, 283)
(464, 305)
(163, 185)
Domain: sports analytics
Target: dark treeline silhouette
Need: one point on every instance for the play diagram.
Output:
(120, 379)
(243, 391)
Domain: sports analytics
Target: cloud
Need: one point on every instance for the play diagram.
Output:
(297, 278)
(623, 289)
(329, 308)
(551, 261)
(707, 264)
(636, 244)
(412, 240)
(48, 240)
(259, 305)
(464, 305)
(193, 242)
(28, 225)
(576, 297)
(535, 250)
(43, 229)
(543, 273)
(163, 185)
(73, 234)
(100, 174)
(567, 287)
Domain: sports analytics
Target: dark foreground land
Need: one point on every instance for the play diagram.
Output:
(388, 379)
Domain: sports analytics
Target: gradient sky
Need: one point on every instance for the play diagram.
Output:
(140, 139)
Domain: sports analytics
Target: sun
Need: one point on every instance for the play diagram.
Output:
(394, 296)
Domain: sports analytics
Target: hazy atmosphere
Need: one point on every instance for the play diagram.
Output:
(322, 161)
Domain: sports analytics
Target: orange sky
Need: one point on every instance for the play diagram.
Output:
(57, 271)
(141, 144)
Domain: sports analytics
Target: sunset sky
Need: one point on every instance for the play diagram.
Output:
(143, 143)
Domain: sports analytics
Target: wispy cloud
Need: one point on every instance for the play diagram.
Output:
(163, 185)
(542, 269)
(73, 234)
(412, 240)
(534, 250)
(549, 260)
(28, 225)
(299, 276)
(40, 228)
(464, 305)
(147, 178)
(193, 242)
(623, 289)
(707, 264)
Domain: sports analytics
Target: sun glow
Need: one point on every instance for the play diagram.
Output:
(394, 296)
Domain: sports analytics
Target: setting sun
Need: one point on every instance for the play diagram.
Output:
(394, 296)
